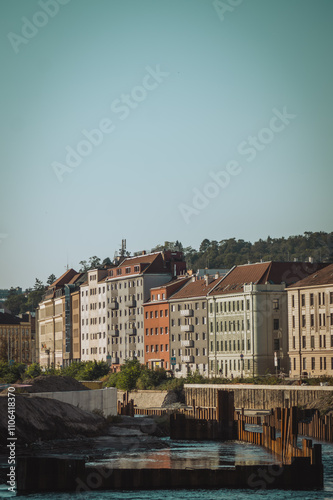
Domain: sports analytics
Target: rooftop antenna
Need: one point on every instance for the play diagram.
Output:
(123, 248)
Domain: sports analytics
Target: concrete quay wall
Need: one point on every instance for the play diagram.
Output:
(99, 399)
(255, 397)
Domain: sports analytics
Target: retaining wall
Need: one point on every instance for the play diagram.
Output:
(101, 399)
(258, 397)
(150, 399)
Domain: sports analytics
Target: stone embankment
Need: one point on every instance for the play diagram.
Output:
(151, 399)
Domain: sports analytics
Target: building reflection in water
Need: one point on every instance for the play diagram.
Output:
(193, 455)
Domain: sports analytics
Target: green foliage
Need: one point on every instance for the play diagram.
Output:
(33, 371)
(229, 252)
(11, 373)
(51, 279)
(93, 370)
(149, 379)
(129, 374)
(195, 378)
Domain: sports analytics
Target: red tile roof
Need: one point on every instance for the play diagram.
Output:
(64, 278)
(320, 277)
(197, 288)
(264, 272)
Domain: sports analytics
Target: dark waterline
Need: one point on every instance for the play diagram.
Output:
(194, 455)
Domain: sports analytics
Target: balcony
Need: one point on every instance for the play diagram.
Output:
(186, 313)
(187, 343)
(131, 302)
(114, 333)
(187, 359)
(113, 305)
(187, 328)
(130, 331)
(115, 360)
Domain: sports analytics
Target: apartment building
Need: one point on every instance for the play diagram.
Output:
(310, 325)
(188, 326)
(128, 288)
(94, 333)
(157, 324)
(248, 319)
(17, 338)
(58, 322)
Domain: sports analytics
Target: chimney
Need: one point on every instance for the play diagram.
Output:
(311, 260)
(217, 275)
(193, 278)
(206, 278)
(143, 252)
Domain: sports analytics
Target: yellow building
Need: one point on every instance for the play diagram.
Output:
(17, 338)
(310, 325)
(58, 322)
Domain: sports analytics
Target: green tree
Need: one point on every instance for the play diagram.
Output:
(51, 279)
(94, 262)
(16, 303)
(84, 266)
(129, 374)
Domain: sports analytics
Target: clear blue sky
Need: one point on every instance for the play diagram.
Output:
(180, 89)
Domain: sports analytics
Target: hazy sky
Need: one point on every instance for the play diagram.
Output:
(214, 118)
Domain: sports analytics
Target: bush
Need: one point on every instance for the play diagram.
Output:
(33, 371)
(11, 373)
(129, 374)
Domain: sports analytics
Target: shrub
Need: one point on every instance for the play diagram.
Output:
(33, 371)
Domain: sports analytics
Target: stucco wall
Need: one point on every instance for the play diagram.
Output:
(100, 399)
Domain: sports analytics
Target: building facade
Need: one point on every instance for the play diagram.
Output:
(310, 325)
(157, 324)
(188, 326)
(17, 338)
(248, 319)
(93, 308)
(56, 322)
(128, 288)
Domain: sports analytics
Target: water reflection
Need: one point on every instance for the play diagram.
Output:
(190, 455)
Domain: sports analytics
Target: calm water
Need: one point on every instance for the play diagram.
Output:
(193, 455)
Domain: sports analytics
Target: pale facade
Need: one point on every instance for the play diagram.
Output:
(310, 325)
(128, 288)
(246, 329)
(94, 334)
(57, 317)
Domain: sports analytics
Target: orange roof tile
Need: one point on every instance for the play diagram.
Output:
(263, 272)
(197, 288)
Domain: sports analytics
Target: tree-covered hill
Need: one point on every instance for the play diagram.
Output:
(229, 252)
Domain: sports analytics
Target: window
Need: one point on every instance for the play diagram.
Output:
(303, 321)
(276, 305)
(313, 363)
(331, 297)
(303, 299)
(312, 341)
(276, 344)
(304, 363)
(303, 342)
(294, 342)
(293, 321)
(276, 324)
(311, 299)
